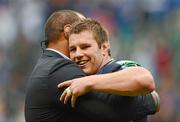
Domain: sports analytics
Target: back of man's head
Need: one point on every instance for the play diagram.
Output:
(57, 22)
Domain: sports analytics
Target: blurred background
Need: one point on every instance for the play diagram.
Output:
(147, 31)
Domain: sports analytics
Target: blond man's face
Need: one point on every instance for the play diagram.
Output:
(85, 52)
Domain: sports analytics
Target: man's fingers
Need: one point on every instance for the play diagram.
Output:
(68, 94)
(63, 95)
(67, 97)
(73, 100)
(64, 84)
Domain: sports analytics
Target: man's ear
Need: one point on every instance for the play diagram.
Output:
(67, 30)
(105, 47)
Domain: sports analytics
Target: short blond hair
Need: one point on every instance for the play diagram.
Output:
(99, 32)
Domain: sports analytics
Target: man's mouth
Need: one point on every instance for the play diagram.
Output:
(82, 63)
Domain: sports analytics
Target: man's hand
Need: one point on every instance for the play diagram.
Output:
(75, 88)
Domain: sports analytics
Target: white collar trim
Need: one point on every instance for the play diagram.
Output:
(58, 53)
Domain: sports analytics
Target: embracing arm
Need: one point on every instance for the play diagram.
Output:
(100, 112)
(132, 81)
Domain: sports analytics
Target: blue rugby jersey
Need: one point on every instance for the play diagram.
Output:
(113, 66)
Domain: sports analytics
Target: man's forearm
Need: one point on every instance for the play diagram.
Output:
(132, 81)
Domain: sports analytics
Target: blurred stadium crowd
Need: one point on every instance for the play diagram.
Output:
(147, 31)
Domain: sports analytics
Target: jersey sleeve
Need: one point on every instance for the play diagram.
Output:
(127, 63)
(130, 107)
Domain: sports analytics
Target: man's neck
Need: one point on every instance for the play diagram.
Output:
(60, 46)
(106, 61)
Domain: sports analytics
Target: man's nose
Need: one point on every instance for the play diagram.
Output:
(79, 52)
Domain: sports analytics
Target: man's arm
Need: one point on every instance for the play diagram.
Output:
(132, 81)
(138, 106)
(91, 105)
